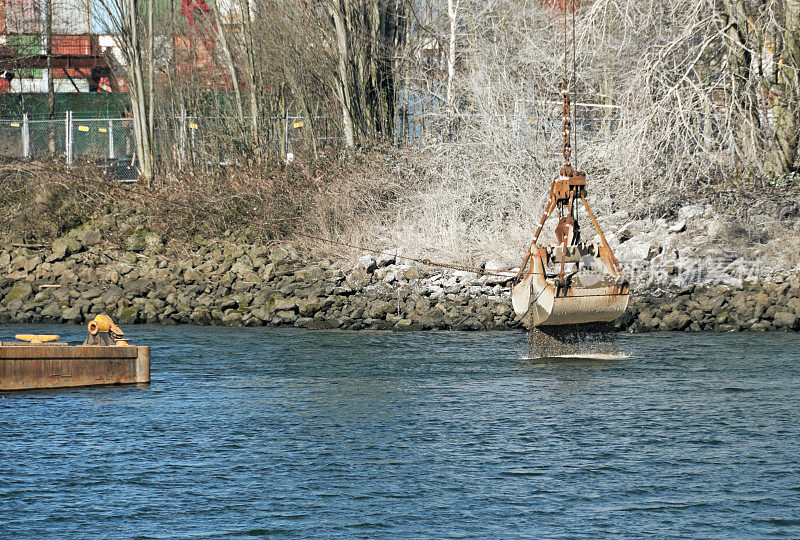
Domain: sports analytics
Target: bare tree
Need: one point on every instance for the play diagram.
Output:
(123, 18)
(452, 12)
(786, 90)
(366, 35)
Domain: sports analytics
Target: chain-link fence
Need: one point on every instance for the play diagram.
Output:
(68, 139)
(183, 141)
(419, 121)
(209, 141)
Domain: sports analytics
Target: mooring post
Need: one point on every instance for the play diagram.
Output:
(143, 364)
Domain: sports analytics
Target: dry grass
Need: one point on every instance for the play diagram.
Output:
(256, 205)
(464, 202)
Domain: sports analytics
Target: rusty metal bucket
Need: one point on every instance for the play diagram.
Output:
(603, 297)
(594, 290)
(537, 301)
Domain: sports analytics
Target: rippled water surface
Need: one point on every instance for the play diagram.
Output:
(331, 434)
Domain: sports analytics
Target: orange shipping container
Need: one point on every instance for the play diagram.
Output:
(72, 73)
(104, 85)
(76, 45)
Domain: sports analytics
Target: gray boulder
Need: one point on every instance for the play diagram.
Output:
(785, 320)
(367, 263)
(71, 315)
(678, 227)
(308, 306)
(136, 240)
(284, 304)
(128, 315)
(64, 247)
(284, 253)
(232, 318)
(691, 211)
(385, 259)
(88, 236)
(51, 311)
(676, 320)
(20, 291)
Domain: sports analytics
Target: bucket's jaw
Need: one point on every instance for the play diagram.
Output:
(590, 293)
(569, 282)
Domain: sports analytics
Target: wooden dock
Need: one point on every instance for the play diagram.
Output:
(24, 366)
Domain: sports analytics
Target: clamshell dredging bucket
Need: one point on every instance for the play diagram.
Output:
(593, 297)
(569, 282)
(536, 299)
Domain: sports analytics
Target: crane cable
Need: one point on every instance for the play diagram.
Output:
(574, 88)
(509, 274)
(426, 262)
(570, 134)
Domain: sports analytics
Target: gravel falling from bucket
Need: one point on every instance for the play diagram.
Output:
(572, 340)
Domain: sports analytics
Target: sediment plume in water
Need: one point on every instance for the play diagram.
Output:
(569, 340)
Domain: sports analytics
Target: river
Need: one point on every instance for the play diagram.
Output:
(258, 432)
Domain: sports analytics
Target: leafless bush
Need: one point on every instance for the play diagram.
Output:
(677, 110)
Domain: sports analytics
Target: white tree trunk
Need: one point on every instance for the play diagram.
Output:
(342, 86)
(228, 58)
(150, 73)
(133, 51)
(452, 12)
(787, 95)
(247, 31)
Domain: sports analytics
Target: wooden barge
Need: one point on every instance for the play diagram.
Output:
(40, 361)
(26, 366)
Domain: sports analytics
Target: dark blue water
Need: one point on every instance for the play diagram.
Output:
(327, 434)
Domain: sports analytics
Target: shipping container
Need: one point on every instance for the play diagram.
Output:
(85, 45)
(28, 73)
(37, 86)
(107, 40)
(4, 86)
(23, 16)
(25, 44)
(72, 73)
(71, 17)
(68, 86)
(109, 47)
(29, 85)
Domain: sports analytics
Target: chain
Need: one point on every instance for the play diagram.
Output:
(426, 262)
(567, 123)
(565, 114)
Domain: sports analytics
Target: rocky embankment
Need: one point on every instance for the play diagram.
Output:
(754, 306)
(80, 276)
(238, 286)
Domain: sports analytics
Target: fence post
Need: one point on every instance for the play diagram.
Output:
(182, 139)
(26, 137)
(110, 139)
(68, 137)
(192, 143)
(286, 135)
